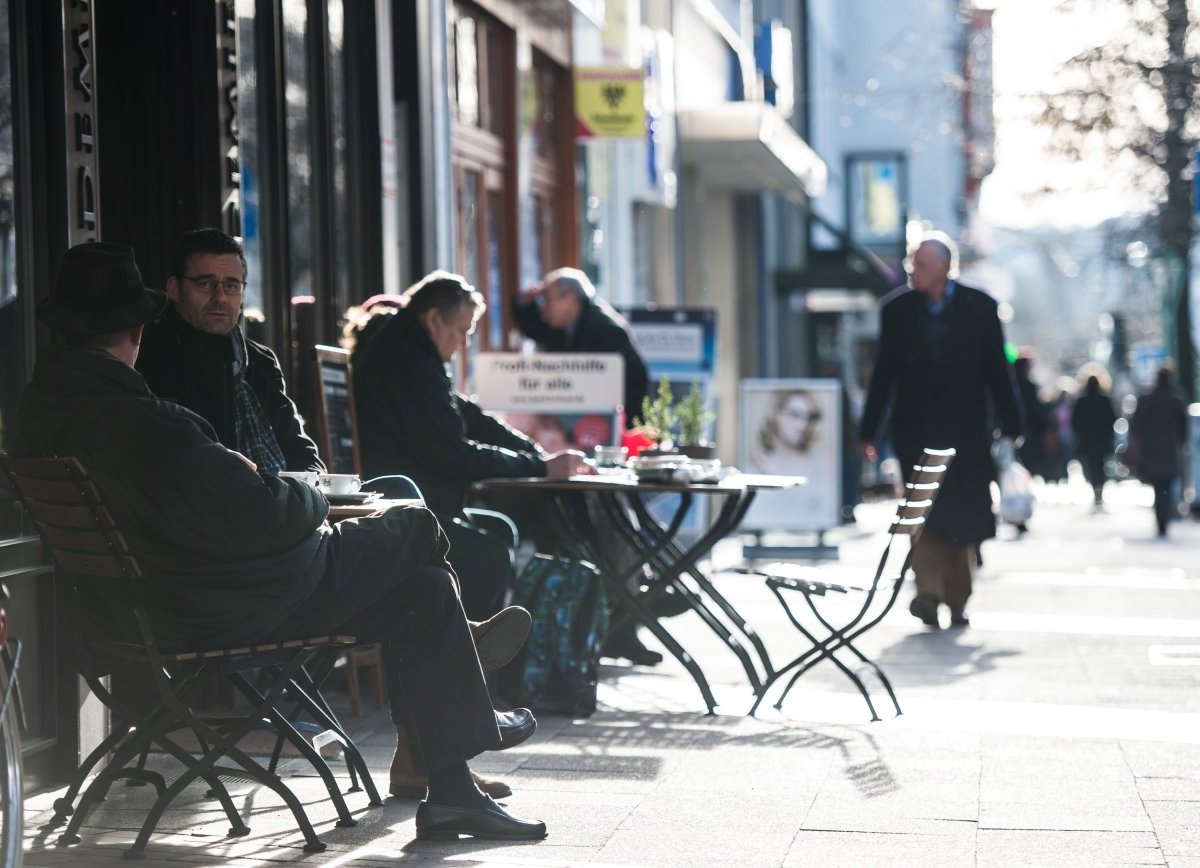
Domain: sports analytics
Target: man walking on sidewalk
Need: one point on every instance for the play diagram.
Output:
(941, 359)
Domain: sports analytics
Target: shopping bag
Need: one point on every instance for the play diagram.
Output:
(1016, 493)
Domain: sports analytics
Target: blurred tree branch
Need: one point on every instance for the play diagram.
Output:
(1134, 96)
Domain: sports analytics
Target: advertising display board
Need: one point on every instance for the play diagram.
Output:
(793, 428)
(561, 400)
(679, 343)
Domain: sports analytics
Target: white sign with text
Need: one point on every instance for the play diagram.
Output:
(550, 382)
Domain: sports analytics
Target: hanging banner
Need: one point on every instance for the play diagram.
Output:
(610, 103)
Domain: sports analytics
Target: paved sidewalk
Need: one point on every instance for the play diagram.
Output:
(1061, 728)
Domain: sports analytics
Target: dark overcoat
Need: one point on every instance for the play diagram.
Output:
(203, 373)
(1092, 420)
(948, 384)
(599, 329)
(1160, 429)
(227, 555)
(412, 422)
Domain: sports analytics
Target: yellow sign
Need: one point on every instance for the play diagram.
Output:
(609, 103)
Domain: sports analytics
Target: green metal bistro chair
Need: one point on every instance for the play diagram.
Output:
(828, 635)
(105, 580)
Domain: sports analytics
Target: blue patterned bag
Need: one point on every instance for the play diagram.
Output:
(556, 671)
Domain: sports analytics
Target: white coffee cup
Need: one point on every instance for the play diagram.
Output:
(339, 483)
(308, 477)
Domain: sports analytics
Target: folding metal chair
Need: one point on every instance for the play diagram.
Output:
(877, 598)
(92, 556)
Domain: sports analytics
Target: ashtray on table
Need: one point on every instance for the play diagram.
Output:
(674, 468)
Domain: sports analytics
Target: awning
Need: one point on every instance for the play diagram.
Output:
(749, 147)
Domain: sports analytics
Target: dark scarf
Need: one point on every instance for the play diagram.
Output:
(255, 437)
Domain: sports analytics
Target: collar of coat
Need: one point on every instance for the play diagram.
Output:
(206, 348)
(70, 370)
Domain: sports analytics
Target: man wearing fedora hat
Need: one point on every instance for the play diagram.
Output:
(239, 557)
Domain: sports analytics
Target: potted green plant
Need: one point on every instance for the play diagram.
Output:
(694, 418)
(657, 419)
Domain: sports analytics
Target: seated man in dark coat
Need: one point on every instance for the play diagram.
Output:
(197, 356)
(412, 421)
(239, 557)
(564, 316)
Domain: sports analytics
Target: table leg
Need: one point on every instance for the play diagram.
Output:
(658, 555)
(681, 561)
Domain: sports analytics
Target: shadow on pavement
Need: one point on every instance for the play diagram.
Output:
(937, 656)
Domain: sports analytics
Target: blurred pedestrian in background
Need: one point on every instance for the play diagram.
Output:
(1060, 440)
(1037, 417)
(1092, 424)
(1156, 439)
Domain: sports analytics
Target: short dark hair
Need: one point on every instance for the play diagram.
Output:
(444, 291)
(208, 240)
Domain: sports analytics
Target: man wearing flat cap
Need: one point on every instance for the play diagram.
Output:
(238, 557)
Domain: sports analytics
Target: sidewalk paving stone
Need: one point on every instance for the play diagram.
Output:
(1061, 728)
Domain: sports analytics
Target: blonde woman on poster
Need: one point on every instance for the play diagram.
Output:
(785, 441)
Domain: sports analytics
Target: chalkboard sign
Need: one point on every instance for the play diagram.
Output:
(335, 410)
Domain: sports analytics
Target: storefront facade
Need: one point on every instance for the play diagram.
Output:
(353, 146)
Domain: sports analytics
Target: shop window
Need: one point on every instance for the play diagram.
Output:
(296, 91)
(466, 68)
(545, 127)
(481, 65)
(249, 158)
(468, 221)
(11, 345)
(478, 69)
(338, 133)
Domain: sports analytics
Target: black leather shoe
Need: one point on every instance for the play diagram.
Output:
(925, 608)
(436, 822)
(958, 617)
(515, 726)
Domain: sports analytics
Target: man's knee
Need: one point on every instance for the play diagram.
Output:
(433, 588)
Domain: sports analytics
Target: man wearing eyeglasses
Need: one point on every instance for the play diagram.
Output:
(197, 356)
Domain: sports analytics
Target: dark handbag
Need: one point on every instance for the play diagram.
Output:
(557, 669)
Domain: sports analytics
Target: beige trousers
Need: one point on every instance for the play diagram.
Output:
(943, 571)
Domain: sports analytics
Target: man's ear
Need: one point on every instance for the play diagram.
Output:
(172, 288)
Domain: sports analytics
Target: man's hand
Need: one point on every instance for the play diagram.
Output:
(531, 292)
(244, 460)
(569, 462)
(867, 450)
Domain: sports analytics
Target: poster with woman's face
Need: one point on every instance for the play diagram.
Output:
(793, 428)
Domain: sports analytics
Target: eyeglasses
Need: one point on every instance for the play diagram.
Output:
(208, 285)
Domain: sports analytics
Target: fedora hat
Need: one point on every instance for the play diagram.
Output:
(100, 290)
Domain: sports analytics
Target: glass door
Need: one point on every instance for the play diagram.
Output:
(23, 567)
